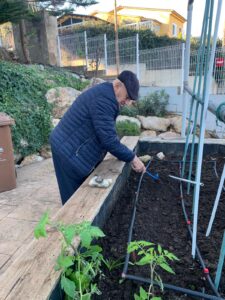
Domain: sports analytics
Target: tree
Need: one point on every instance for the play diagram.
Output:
(58, 7)
(12, 10)
(16, 11)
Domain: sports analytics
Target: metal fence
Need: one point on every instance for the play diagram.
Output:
(127, 51)
(162, 66)
(162, 58)
(218, 82)
(72, 50)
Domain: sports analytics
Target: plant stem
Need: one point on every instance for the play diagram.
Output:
(151, 288)
(80, 288)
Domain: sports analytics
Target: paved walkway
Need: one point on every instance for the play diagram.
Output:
(21, 208)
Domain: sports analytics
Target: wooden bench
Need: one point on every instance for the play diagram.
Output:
(32, 276)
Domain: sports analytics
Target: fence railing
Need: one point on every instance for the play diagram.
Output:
(162, 66)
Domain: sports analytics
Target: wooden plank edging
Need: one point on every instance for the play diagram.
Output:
(32, 276)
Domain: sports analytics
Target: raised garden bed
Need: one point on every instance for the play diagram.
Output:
(159, 219)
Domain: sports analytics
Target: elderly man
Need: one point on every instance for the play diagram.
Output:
(87, 131)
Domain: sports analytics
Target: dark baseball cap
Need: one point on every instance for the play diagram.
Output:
(129, 79)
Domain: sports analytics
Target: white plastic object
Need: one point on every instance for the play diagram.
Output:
(98, 181)
(160, 155)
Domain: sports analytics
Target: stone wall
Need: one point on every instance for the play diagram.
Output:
(41, 35)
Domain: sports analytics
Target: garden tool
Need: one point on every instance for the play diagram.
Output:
(154, 176)
(98, 181)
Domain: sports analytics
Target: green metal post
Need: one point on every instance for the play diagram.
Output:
(220, 263)
(209, 28)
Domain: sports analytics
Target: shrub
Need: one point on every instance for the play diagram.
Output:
(147, 38)
(127, 128)
(131, 111)
(153, 104)
(22, 96)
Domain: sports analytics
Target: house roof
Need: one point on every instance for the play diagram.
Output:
(172, 11)
(85, 17)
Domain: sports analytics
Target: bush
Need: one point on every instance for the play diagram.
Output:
(22, 96)
(131, 111)
(147, 38)
(127, 128)
(153, 104)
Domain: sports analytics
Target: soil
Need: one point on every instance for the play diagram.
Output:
(159, 219)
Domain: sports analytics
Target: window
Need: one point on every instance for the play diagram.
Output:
(174, 29)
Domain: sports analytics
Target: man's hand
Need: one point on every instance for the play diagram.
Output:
(137, 165)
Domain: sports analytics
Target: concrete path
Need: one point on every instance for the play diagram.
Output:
(21, 208)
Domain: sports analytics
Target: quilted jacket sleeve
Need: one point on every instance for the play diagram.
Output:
(104, 111)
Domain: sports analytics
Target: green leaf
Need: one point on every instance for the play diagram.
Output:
(132, 247)
(96, 232)
(64, 262)
(86, 239)
(68, 286)
(40, 228)
(145, 243)
(144, 260)
(136, 297)
(156, 298)
(166, 267)
(93, 250)
(159, 249)
(69, 233)
(86, 297)
(95, 290)
(171, 256)
(143, 293)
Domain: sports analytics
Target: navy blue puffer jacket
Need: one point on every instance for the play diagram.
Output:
(87, 131)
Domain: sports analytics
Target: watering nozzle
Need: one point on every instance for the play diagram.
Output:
(154, 176)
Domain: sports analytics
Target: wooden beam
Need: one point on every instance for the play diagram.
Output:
(32, 276)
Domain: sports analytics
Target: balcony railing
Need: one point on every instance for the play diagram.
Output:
(144, 25)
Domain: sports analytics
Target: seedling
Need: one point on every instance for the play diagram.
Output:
(112, 264)
(153, 256)
(79, 269)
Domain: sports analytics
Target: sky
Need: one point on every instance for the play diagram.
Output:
(179, 5)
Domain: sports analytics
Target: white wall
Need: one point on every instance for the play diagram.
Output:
(153, 78)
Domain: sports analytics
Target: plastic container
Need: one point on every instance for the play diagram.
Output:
(7, 167)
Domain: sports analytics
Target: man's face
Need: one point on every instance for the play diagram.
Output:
(123, 97)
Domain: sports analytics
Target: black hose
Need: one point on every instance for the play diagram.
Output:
(132, 221)
(174, 288)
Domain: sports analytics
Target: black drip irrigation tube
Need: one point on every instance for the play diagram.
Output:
(125, 275)
(188, 222)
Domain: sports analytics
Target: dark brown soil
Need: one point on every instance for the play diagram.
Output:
(159, 219)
